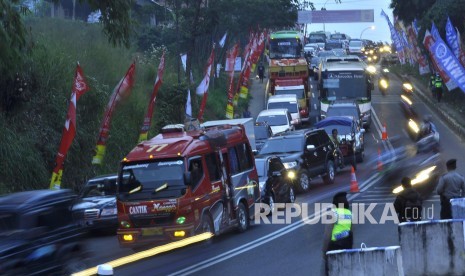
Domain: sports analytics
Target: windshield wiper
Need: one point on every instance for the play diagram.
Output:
(162, 187)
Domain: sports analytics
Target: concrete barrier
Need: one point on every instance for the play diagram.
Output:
(433, 247)
(371, 261)
(458, 208)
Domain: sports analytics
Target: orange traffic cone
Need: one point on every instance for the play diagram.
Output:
(353, 182)
(384, 135)
(380, 162)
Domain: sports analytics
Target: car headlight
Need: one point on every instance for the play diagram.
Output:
(291, 174)
(290, 165)
(419, 178)
(407, 86)
(108, 212)
(413, 126)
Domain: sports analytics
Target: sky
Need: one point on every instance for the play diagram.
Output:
(381, 31)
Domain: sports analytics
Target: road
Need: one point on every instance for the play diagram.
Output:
(295, 248)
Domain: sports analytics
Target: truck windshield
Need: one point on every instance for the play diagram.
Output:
(160, 179)
(298, 92)
(285, 48)
(339, 85)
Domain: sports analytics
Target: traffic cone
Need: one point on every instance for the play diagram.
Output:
(384, 135)
(380, 162)
(353, 182)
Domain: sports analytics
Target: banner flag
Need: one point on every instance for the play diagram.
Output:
(435, 32)
(223, 40)
(202, 89)
(69, 130)
(449, 63)
(189, 104)
(423, 67)
(121, 91)
(395, 38)
(148, 116)
(428, 42)
(231, 60)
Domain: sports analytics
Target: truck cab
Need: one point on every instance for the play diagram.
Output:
(296, 87)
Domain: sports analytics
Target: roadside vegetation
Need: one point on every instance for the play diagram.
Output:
(38, 68)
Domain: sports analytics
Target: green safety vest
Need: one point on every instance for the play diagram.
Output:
(438, 83)
(343, 224)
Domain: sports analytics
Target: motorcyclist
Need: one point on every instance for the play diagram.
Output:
(429, 136)
(384, 76)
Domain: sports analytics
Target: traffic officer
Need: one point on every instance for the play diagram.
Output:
(438, 87)
(338, 235)
(450, 185)
(432, 79)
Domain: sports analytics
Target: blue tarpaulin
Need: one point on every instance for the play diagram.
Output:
(334, 120)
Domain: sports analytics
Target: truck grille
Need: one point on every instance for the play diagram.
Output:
(151, 221)
(91, 214)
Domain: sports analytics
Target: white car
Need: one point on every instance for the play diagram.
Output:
(280, 120)
(288, 101)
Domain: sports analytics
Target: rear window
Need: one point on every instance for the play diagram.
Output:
(291, 106)
(343, 111)
(274, 120)
(355, 44)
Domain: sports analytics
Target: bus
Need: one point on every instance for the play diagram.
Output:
(285, 44)
(346, 78)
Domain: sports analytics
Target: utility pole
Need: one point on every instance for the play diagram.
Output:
(178, 62)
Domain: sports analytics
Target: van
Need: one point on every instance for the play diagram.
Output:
(288, 101)
(280, 120)
(296, 87)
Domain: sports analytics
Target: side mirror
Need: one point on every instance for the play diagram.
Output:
(187, 178)
(310, 147)
(276, 173)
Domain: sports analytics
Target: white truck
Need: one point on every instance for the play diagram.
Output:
(248, 124)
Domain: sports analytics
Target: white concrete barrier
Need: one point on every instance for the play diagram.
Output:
(371, 261)
(433, 247)
(458, 208)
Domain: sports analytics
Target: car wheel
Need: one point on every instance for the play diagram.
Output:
(242, 218)
(330, 173)
(304, 182)
(291, 194)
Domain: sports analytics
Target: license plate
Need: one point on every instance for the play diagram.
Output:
(152, 231)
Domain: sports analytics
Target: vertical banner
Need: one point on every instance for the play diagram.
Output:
(148, 116)
(69, 130)
(428, 42)
(423, 67)
(230, 61)
(122, 90)
(447, 60)
(202, 89)
(244, 81)
(395, 38)
(453, 39)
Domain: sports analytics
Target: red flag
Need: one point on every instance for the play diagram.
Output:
(202, 89)
(69, 130)
(148, 117)
(231, 60)
(122, 90)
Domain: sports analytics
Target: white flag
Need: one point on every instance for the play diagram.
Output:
(184, 60)
(223, 40)
(203, 86)
(188, 104)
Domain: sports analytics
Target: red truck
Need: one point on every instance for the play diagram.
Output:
(181, 183)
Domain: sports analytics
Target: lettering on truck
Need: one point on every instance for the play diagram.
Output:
(134, 210)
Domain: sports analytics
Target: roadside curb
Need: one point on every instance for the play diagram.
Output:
(442, 112)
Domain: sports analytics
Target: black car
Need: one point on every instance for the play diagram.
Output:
(311, 153)
(38, 235)
(95, 206)
(262, 132)
(275, 181)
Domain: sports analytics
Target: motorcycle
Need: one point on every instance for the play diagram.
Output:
(383, 81)
(425, 141)
(407, 87)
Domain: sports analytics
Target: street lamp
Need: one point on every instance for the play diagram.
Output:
(371, 27)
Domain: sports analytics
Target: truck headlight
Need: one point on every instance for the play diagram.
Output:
(290, 165)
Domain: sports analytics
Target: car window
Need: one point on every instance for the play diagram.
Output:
(323, 138)
(196, 170)
(244, 156)
(212, 166)
(273, 120)
(262, 132)
(294, 144)
(291, 106)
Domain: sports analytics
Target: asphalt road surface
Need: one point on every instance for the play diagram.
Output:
(295, 248)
